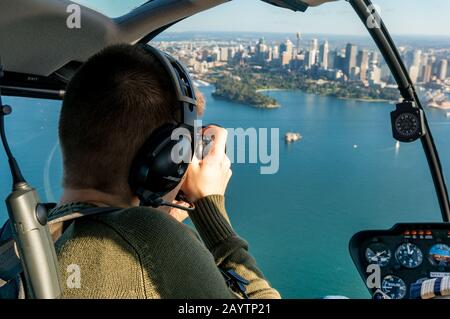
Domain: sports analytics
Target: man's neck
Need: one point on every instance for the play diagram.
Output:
(95, 197)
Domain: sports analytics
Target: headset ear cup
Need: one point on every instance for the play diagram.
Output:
(154, 169)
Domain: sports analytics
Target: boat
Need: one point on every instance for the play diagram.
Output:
(291, 137)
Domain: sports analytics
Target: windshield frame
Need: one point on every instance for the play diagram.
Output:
(386, 45)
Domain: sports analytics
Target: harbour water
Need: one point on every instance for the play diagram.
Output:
(346, 174)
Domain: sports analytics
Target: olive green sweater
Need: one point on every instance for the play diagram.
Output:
(142, 253)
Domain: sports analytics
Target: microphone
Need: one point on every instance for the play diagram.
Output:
(150, 199)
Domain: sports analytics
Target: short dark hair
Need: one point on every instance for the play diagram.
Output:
(111, 106)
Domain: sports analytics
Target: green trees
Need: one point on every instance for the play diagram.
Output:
(241, 84)
(242, 91)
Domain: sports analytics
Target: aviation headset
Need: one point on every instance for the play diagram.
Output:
(154, 173)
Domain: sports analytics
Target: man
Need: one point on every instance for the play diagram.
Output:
(112, 105)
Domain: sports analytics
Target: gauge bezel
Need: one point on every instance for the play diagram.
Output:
(410, 117)
(433, 261)
(385, 247)
(403, 283)
(403, 264)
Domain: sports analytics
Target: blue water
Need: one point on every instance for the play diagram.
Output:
(299, 221)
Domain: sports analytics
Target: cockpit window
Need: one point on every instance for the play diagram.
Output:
(112, 8)
(336, 169)
(345, 173)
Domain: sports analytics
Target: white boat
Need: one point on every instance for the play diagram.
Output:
(292, 137)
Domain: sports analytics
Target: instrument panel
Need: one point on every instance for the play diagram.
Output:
(391, 261)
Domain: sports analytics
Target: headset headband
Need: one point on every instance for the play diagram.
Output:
(181, 82)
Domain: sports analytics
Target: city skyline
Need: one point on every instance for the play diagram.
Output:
(344, 70)
(417, 17)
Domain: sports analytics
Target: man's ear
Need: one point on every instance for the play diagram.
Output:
(201, 103)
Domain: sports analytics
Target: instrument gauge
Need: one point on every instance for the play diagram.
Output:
(440, 255)
(407, 124)
(378, 254)
(409, 256)
(394, 287)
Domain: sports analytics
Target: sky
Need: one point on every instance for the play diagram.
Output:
(403, 17)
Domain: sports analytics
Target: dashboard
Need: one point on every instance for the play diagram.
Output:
(391, 261)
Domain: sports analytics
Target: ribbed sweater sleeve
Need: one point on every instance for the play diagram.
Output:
(229, 250)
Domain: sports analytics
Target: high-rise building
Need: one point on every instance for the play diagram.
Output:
(286, 51)
(323, 55)
(231, 53)
(339, 60)
(276, 53)
(351, 52)
(363, 64)
(332, 60)
(311, 58)
(443, 69)
(355, 73)
(261, 51)
(413, 58)
(223, 54)
(286, 58)
(299, 38)
(374, 59)
(414, 73)
(314, 45)
(374, 75)
(426, 73)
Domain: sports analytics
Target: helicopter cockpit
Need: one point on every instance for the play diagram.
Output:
(409, 261)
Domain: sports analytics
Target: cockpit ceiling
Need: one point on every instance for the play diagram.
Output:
(35, 38)
(112, 8)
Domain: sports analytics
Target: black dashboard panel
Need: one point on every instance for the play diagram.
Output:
(405, 254)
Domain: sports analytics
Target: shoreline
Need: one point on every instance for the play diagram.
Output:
(437, 107)
(266, 90)
(268, 107)
(336, 97)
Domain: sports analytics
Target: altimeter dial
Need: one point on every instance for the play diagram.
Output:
(378, 254)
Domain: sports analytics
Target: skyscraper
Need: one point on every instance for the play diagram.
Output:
(314, 45)
(426, 73)
(443, 69)
(413, 58)
(374, 75)
(223, 54)
(299, 38)
(312, 53)
(339, 60)
(311, 58)
(414, 73)
(261, 51)
(231, 53)
(363, 64)
(351, 52)
(323, 55)
(275, 53)
(286, 51)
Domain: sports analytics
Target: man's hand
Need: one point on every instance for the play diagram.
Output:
(211, 175)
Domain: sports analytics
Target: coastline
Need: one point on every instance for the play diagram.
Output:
(274, 89)
(365, 100)
(438, 107)
(269, 107)
(337, 97)
(276, 106)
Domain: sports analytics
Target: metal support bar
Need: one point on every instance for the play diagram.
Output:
(392, 57)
